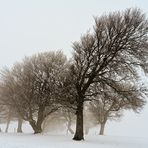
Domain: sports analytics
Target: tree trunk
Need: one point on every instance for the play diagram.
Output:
(37, 126)
(102, 128)
(34, 127)
(40, 118)
(79, 135)
(8, 121)
(20, 122)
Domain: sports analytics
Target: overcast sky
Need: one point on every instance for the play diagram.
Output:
(32, 26)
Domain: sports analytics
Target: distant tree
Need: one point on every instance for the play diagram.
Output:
(8, 114)
(69, 118)
(90, 121)
(118, 40)
(110, 104)
(61, 119)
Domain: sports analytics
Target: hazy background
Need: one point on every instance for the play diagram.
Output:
(32, 26)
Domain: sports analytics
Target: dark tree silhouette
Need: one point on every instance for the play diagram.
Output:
(118, 40)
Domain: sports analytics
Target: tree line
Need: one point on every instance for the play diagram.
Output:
(101, 79)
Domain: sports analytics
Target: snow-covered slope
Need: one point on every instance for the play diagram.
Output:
(59, 141)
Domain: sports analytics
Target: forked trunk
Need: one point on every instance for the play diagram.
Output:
(37, 126)
(79, 135)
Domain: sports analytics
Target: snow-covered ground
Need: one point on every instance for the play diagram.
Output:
(29, 140)
(59, 141)
(129, 132)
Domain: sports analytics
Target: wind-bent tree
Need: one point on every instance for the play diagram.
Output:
(110, 104)
(32, 87)
(118, 40)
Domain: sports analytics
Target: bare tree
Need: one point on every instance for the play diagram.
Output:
(69, 118)
(90, 120)
(8, 114)
(118, 40)
(32, 86)
(109, 104)
(63, 118)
